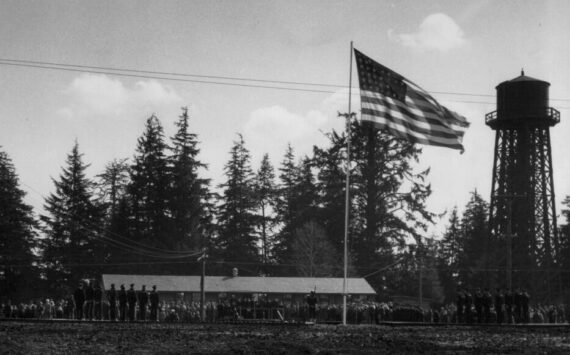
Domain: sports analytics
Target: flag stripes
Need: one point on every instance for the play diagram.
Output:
(405, 110)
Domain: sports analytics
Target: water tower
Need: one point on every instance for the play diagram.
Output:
(522, 219)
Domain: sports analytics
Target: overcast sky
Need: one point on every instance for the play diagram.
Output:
(447, 47)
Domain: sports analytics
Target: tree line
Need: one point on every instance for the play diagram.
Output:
(155, 213)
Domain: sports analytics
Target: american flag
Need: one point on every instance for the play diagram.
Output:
(394, 103)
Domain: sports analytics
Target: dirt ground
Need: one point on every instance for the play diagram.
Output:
(140, 338)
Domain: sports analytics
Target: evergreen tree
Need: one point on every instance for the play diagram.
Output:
(18, 271)
(72, 227)
(148, 190)
(387, 196)
(112, 186)
(331, 184)
(237, 238)
(265, 194)
(285, 207)
(449, 254)
(475, 258)
(296, 205)
(189, 200)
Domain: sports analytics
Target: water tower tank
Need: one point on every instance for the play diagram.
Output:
(522, 101)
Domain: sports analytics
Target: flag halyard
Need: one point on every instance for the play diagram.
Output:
(392, 102)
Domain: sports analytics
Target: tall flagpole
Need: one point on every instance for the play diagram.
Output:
(347, 188)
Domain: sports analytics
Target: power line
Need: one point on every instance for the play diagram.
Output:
(172, 73)
(166, 78)
(173, 76)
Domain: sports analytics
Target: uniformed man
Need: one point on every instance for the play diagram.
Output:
(89, 296)
(517, 298)
(132, 300)
(79, 300)
(122, 304)
(312, 303)
(479, 305)
(509, 305)
(154, 301)
(525, 301)
(487, 302)
(468, 306)
(460, 302)
(499, 305)
(143, 301)
(97, 299)
(112, 297)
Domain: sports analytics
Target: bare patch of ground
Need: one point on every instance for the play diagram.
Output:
(140, 338)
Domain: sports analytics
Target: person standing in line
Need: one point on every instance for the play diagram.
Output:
(312, 303)
(122, 304)
(518, 305)
(132, 300)
(499, 304)
(79, 300)
(509, 305)
(154, 301)
(487, 302)
(97, 298)
(89, 296)
(525, 301)
(112, 297)
(479, 305)
(143, 301)
(468, 306)
(460, 302)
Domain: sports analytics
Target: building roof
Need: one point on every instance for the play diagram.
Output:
(241, 284)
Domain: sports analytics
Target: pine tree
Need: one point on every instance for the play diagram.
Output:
(265, 195)
(18, 235)
(112, 186)
(331, 184)
(237, 238)
(148, 190)
(387, 196)
(285, 208)
(449, 253)
(72, 227)
(474, 261)
(296, 205)
(189, 199)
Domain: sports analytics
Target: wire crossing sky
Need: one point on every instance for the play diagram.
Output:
(275, 71)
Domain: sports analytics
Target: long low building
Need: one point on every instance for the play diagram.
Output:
(329, 290)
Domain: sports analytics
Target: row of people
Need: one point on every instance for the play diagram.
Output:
(509, 307)
(244, 308)
(123, 304)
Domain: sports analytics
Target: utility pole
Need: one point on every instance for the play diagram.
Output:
(202, 258)
(509, 237)
(421, 295)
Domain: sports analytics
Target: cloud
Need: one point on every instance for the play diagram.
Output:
(101, 96)
(436, 32)
(270, 129)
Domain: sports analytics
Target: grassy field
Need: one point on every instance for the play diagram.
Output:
(140, 338)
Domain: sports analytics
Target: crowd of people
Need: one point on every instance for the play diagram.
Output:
(88, 302)
(480, 306)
